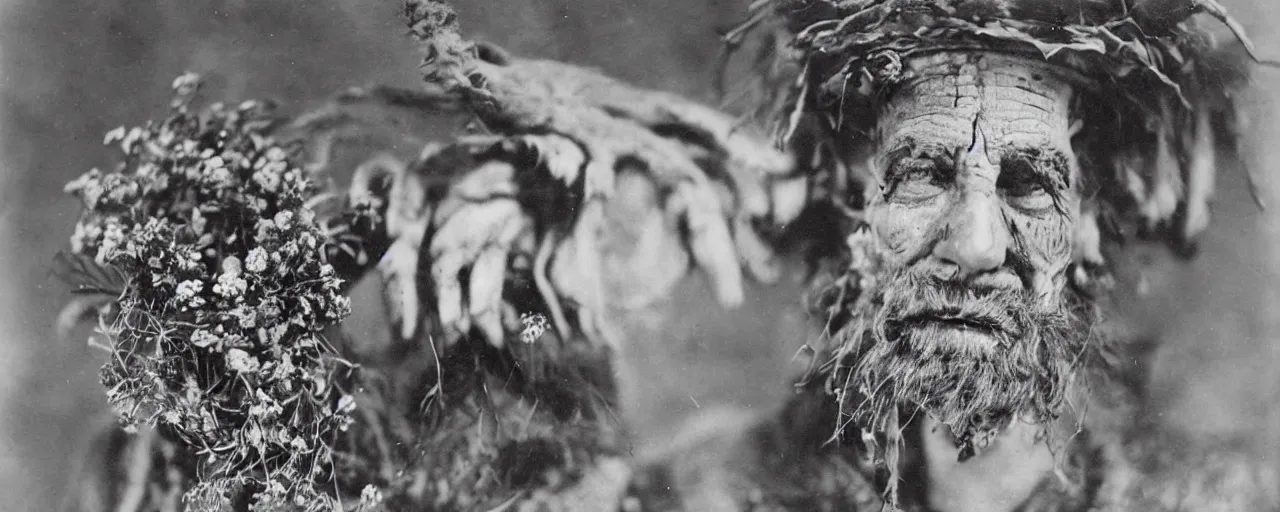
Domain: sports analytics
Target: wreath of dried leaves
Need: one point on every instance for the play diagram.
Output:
(1161, 101)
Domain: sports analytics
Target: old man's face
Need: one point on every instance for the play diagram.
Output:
(979, 191)
(979, 180)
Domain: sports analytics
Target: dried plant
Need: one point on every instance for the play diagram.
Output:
(221, 294)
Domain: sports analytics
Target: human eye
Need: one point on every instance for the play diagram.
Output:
(1026, 188)
(1029, 196)
(916, 181)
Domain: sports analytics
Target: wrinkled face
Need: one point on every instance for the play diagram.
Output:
(974, 219)
(979, 176)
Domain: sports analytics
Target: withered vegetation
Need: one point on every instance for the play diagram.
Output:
(476, 240)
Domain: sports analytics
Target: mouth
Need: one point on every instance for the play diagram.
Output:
(964, 333)
(978, 325)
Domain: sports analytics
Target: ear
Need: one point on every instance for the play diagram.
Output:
(1087, 243)
(1089, 271)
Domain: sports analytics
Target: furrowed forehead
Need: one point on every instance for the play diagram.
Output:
(1021, 107)
(947, 96)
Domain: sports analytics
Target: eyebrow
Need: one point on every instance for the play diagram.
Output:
(1048, 162)
(909, 149)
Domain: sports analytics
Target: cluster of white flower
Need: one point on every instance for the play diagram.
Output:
(370, 497)
(256, 261)
(240, 361)
(230, 284)
(227, 275)
(535, 325)
(188, 294)
(202, 338)
(245, 316)
(112, 239)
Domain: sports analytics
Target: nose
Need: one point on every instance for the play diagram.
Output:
(974, 237)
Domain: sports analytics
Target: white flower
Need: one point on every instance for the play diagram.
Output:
(202, 338)
(198, 221)
(293, 176)
(266, 179)
(112, 239)
(307, 216)
(240, 361)
(86, 233)
(535, 325)
(124, 193)
(309, 239)
(148, 170)
(233, 159)
(231, 265)
(284, 219)
(256, 260)
(114, 135)
(230, 285)
(186, 82)
(93, 193)
(84, 180)
(275, 488)
(341, 303)
(264, 229)
(246, 316)
(188, 291)
(134, 136)
(188, 260)
(222, 176)
(370, 497)
(257, 204)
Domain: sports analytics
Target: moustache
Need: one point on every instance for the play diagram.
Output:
(912, 300)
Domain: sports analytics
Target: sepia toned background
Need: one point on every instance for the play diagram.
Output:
(72, 69)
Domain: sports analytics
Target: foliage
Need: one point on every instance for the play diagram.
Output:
(1160, 90)
(216, 334)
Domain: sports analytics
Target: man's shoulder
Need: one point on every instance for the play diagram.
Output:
(737, 461)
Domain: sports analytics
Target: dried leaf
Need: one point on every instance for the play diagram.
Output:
(1200, 176)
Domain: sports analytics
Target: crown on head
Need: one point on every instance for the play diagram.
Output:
(1159, 87)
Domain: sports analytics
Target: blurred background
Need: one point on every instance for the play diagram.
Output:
(72, 69)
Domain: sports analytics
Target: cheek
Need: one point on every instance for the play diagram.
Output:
(902, 230)
(1047, 244)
